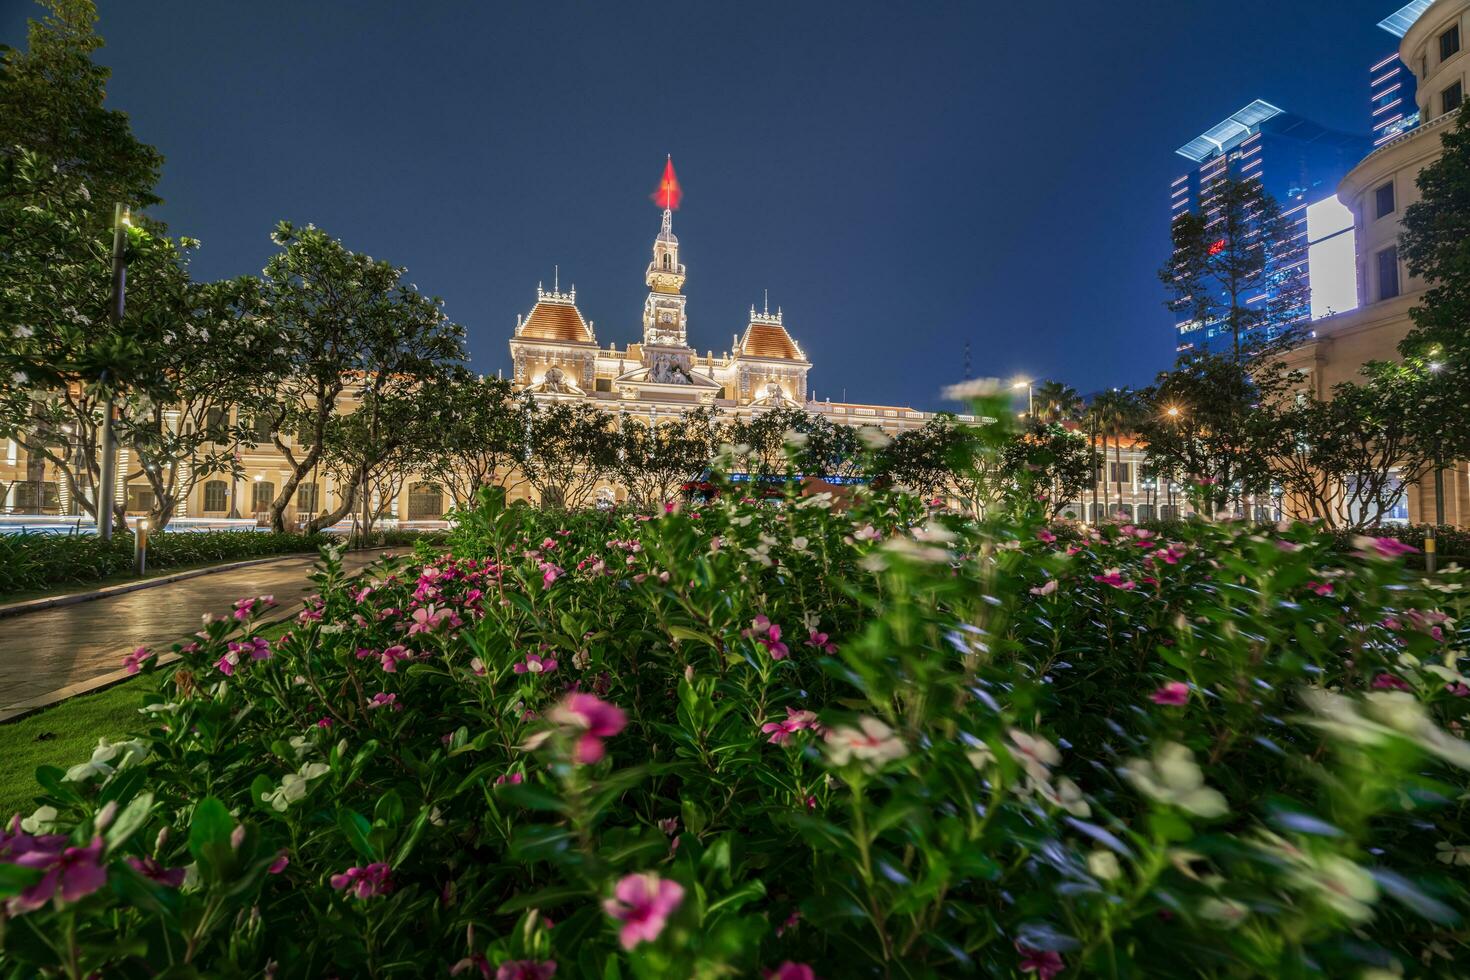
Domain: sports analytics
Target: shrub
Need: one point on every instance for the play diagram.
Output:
(752, 737)
(35, 561)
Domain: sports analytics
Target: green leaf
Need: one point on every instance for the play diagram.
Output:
(546, 898)
(210, 827)
(132, 818)
(530, 797)
(14, 879)
(694, 636)
(356, 828)
(745, 893)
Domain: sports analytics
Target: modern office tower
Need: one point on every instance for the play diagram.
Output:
(1391, 84)
(1299, 162)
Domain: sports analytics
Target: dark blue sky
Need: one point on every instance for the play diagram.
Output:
(901, 177)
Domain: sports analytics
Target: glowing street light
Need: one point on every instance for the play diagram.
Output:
(1026, 383)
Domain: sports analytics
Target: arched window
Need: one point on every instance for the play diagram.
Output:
(425, 502)
(667, 260)
(306, 498)
(261, 496)
(216, 495)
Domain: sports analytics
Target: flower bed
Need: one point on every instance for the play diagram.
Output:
(747, 739)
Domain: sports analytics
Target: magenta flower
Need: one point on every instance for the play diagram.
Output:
(385, 700)
(795, 721)
(768, 635)
(1390, 682)
(1043, 962)
(393, 656)
(821, 641)
(1459, 689)
(70, 874)
(643, 904)
(1321, 588)
(1173, 694)
(534, 664)
(153, 871)
(1114, 577)
(279, 864)
(1381, 547)
(550, 573)
(134, 661)
(375, 879)
(591, 720)
(227, 663)
(1045, 536)
(790, 971)
(513, 779)
(256, 648)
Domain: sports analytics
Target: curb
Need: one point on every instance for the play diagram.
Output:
(51, 602)
(31, 706)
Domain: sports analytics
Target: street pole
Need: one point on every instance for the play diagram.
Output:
(119, 292)
(1431, 544)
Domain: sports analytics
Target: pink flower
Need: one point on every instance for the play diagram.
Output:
(643, 904)
(227, 662)
(257, 648)
(768, 635)
(526, 970)
(790, 971)
(795, 721)
(534, 664)
(1045, 536)
(1114, 577)
(134, 661)
(1390, 682)
(1043, 962)
(790, 923)
(393, 656)
(1321, 588)
(1459, 689)
(279, 864)
(70, 873)
(153, 871)
(375, 879)
(513, 779)
(592, 719)
(385, 700)
(550, 573)
(324, 722)
(1047, 589)
(821, 641)
(1381, 547)
(1173, 694)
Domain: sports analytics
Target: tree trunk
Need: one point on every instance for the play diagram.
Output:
(349, 500)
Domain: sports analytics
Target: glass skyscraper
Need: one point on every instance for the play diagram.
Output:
(1297, 161)
(1391, 85)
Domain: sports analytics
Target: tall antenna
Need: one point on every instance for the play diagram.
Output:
(766, 305)
(556, 282)
(967, 360)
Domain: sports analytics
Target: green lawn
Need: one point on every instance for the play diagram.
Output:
(60, 736)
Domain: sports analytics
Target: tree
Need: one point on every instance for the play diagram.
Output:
(345, 319)
(51, 104)
(1056, 402)
(1237, 249)
(1198, 422)
(1348, 461)
(1050, 460)
(371, 451)
(763, 439)
(1436, 245)
(654, 460)
(479, 437)
(570, 447)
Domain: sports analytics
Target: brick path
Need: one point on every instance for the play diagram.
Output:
(45, 651)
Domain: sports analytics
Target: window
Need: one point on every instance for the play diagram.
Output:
(140, 498)
(214, 423)
(261, 495)
(1449, 43)
(1384, 198)
(1146, 512)
(603, 384)
(306, 498)
(1450, 98)
(1168, 512)
(425, 502)
(35, 497)
(260, 429)
(1120, 472)
(216, 496)
(1388, 273)
(666, 260)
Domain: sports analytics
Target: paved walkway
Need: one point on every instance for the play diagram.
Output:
(52, 649)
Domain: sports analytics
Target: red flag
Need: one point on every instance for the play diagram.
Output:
(669, 193)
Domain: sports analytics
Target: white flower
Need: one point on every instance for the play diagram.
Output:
(868, 533)
(795, 439)
(1047, 589)
(969, 390)
(873, 437)
(1445, 851)
(24, 332)
(1035, 754)
(103, 757)
(294, 785)
(872, 743)
(1173, 777)
(1224, 912)
(935, 533)
(43, 821)
(1065, 794)
(1104, 865)
(1340, 883)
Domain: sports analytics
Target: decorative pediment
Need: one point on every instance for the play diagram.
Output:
(666, 371)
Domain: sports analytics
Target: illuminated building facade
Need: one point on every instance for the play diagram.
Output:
(1392, 85)
(1297, 161)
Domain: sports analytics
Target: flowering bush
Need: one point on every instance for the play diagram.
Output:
(785, 740)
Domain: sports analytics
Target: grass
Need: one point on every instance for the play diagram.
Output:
(60, 736)
(65, 734)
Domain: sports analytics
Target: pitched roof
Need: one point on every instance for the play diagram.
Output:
(556, 321)
(769, 340)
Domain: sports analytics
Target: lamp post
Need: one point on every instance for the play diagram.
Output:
(1030, 393)
(1431, 556)
(140, 545)
(105, 492)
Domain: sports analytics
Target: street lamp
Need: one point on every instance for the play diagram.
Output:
(1430, 543)
(1026, 383)
(121, 219)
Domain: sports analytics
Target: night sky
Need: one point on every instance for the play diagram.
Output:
(903, 178)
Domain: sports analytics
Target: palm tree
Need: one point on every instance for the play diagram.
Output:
(1056, 402)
